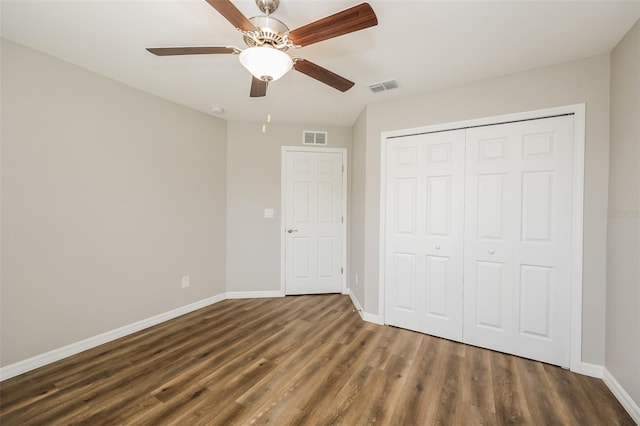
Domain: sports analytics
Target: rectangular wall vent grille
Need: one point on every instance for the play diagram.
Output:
(314, 138)
(384, 86)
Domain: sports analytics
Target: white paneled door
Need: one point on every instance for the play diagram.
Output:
(478, 236)
(314, 229)
(425, 216)
(518, 238)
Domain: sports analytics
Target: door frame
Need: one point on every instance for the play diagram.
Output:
(283, 222)
(578, 112)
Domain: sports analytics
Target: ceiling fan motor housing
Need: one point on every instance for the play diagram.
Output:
(268, 31)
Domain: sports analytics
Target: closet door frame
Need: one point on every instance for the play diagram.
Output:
(578, 112)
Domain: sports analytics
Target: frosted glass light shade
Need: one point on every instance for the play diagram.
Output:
(266, 63)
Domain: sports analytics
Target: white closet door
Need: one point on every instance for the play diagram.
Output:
(518, 238)
(424, 233)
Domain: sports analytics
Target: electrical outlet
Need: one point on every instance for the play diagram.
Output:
(185, 281)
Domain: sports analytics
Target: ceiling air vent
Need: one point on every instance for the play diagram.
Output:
(384, 86)
(312, 137)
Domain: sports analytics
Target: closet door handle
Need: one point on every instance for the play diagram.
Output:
(292, 230)
(438, 247)
(492, 251)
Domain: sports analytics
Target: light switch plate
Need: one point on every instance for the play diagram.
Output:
(268, 213)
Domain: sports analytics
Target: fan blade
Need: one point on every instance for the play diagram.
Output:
(258, 88)
(353, 19)
(202, 50)
(232, 14)
(323, 75)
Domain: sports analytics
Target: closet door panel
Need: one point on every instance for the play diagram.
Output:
(424, 220)
(518, 215)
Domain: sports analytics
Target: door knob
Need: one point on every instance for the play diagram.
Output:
(438, 247)
(292, 230)
(491, 251)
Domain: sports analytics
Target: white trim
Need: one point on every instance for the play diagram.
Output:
(591, 370)
(345, 216)
(621, 395)
(373, 318)
(578, 110)
(497, 119)
(38, 361)
(313, 149)
(383, 221)
(283, 221)
(579, 124)
(283, 225)
(253, 294)
(356, 303)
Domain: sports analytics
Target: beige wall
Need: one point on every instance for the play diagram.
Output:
(358, 164)
(109, 196)
(570, 83)
(254, 184)
(623, 231)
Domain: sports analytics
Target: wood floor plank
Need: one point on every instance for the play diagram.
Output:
(376, 406)
(285, 405)
(509, 396)
(197, 396)
(450, 400)
(338, 377)
(558, 383)
(265, 392)
(304, 360)
(410, 408)
(537, 395)
(476, 379)
(603, 401)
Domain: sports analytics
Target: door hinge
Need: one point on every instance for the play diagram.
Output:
(342, 219)
(341, 270)
(343, 168)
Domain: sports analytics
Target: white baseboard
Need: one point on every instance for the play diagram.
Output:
(366, 316)
(621, 395)
(356, 302)
(41, 360)
(591, 370)
(374, 318)
(600, 372)
(253, 294)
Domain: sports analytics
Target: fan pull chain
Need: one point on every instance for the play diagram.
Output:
(264, 125)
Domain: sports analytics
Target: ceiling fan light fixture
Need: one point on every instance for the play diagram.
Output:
(266, 63)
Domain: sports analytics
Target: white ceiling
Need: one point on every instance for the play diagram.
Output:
(426, 45)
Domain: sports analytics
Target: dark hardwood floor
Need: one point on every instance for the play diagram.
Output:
(306, 360)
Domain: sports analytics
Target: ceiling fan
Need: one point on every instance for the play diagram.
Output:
(268, 39)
